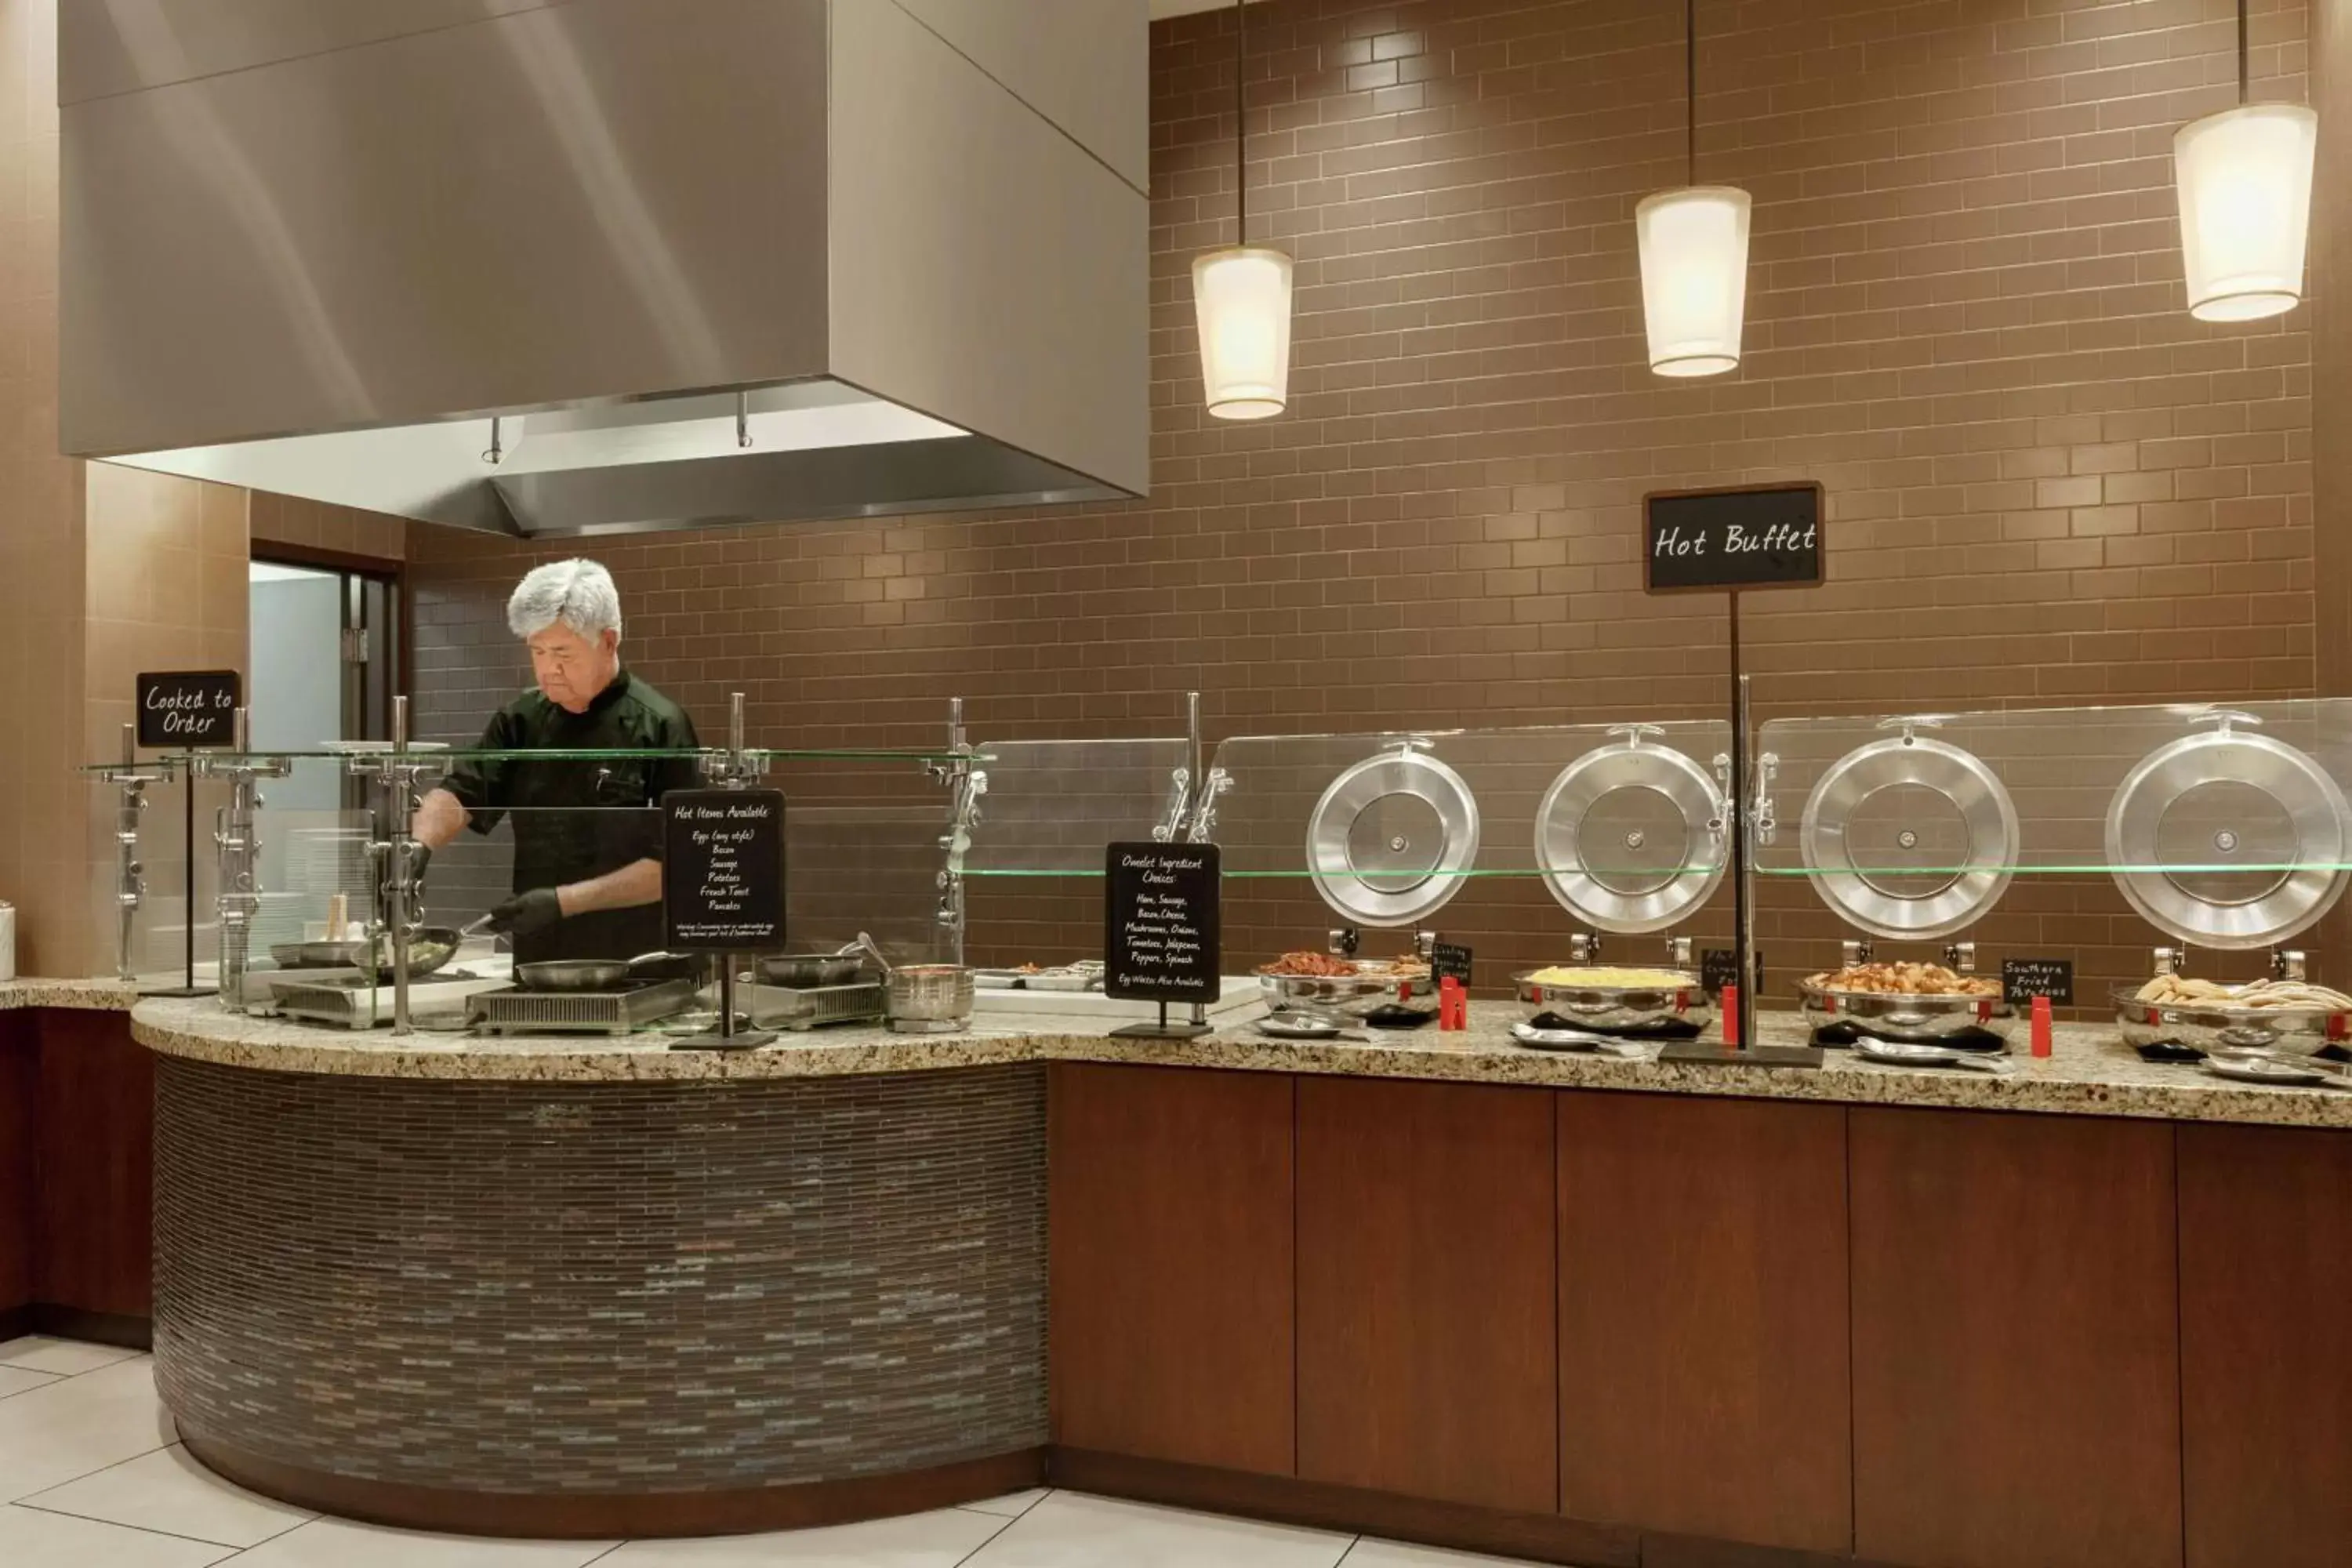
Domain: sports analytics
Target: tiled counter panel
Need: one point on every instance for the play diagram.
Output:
(574, 1290)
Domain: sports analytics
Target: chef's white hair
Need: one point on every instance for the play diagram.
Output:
(580, 594)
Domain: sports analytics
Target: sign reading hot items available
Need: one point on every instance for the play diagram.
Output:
(1160, 922)
(723, 870)
(184, 709)
(1756, 536)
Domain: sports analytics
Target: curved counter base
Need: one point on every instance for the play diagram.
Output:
(605, 1308)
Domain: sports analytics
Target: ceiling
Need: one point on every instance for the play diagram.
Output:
(1162, 8)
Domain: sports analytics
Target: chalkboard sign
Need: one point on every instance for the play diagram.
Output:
(1760, 536)
(2023, 979)
(723, 870)
(1160, 922)
(1448, 958)
(187, 708)
(1718, 967)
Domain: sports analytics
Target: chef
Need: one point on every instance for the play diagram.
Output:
(587, 840)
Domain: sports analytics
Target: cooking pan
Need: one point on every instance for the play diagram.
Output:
(802, 970)
(594, 974)
(429, 950)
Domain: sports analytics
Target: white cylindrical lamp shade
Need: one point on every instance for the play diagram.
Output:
(1694, 245)
(2243, 177)
(1242, 296)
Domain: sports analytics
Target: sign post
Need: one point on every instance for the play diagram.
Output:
(723, 888)
(1161, 930)
(1748, 536)
(186, 711)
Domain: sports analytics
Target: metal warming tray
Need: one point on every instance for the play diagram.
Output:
(1617, 1009)
(1391, 837)
(803, 1008)
(1909, 837)
(1904, 1015)
(514, 1010)
(1630, 838)
(2227, 838)
(2219, 1029)
(1375, 984)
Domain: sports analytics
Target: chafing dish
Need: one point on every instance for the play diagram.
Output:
(2220, 1029)
(1905, 1015)
(1616, 1009)
(1376, 983)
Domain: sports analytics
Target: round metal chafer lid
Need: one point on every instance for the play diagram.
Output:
(2228, 839)
(1630, 838)
(1909, 837)
(1393, 836)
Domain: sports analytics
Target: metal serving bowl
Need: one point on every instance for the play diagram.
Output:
(928, 998)
(2220, 1029)
(1616, 1009)
(1373, 986)
(1900, 1015)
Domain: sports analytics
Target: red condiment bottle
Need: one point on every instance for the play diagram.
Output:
(2041, 1026)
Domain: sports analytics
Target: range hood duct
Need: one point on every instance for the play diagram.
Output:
(577, 267)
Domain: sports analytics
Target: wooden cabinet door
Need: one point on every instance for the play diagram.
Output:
(1703, 1349)
(93, 1214)
(1426, 1335)
(20, 1057)
(2016, 1356)
(2266, 1388)
(1171, 1302)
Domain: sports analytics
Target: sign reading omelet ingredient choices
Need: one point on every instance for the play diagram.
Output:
(1160, 922)
(723, 870)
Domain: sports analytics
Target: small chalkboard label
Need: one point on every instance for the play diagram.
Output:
(182, 710)
(723, 870)
(1449, 958)
(1160, 922)
(2023, 979)
(1718, 967)
(1759, 536)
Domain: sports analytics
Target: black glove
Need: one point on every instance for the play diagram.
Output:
(526, 914)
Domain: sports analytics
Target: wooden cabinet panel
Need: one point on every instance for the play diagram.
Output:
(2266, 1391)
(1172, 1308)
(93, 1225)
(19, 1075)
(2016, 1356)
(1703, 1351)
(1426, 1273)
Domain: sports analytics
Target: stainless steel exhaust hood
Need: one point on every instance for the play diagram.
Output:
(560, 266)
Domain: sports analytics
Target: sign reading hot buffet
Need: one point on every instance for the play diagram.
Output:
(1756, 536)
(723, 870)
(188, 709)
(1160, 922)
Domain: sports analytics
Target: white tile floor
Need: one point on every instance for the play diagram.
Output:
(90, 1477)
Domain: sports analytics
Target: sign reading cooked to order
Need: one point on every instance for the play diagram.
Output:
(187, 708)
(723, 870)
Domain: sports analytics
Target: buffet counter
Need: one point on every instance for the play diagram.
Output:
(2090, 1072)
(95, 995)
(1413, 1287)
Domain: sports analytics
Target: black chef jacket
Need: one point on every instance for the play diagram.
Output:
(578, 819)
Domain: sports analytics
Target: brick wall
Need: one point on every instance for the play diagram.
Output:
(2047, 485)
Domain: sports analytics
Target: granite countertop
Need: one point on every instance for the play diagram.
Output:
(2090, 1073)
(95, 996)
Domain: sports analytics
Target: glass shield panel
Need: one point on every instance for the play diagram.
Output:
(2223, 824)
(1559, 834)
(1049, 810)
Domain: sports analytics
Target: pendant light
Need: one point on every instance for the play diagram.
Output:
(1694, 249)
(2244, 182)
(1241, 296)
